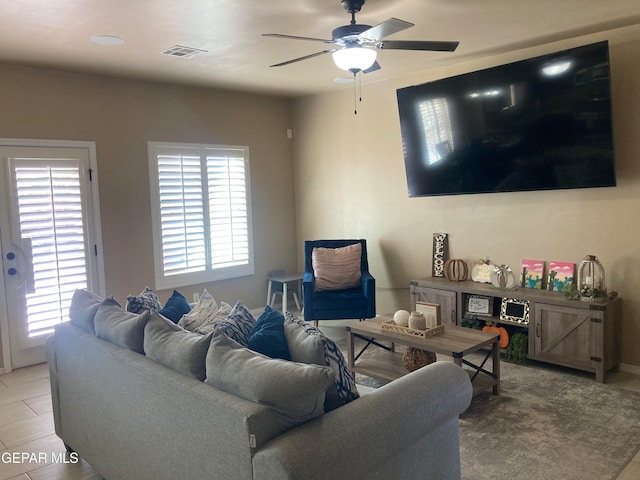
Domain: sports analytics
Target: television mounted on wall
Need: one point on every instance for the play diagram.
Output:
(543, 123)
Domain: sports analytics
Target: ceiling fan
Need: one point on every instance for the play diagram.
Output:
(356, 45)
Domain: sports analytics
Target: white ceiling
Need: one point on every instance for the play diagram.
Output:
(57, 33)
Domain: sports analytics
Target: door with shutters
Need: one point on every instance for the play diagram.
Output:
(49, 231)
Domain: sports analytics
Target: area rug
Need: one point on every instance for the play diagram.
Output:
(549, 423)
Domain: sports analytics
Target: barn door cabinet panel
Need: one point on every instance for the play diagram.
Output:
(567, 336)
(446, 299)
(581, 335)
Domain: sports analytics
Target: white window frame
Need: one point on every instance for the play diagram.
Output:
(209, 272)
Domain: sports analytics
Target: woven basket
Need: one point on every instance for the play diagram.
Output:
(414, 358)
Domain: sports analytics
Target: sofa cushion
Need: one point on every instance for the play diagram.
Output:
(293, 391)
(268, 336)
(307, 344)
(125, 329)
(174, 347)
(205, 314)
(336, 268)
(147, 300)
(82, 312)
(239, 324)
(176, 306)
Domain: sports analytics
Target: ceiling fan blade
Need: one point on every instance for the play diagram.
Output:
(372, 68)
(294, 37)
(386, 28)
(418, 45)
(303, 58)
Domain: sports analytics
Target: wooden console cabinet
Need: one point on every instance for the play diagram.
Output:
(572, 333)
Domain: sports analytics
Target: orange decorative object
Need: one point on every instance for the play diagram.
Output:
(456, 270)
(504, 335)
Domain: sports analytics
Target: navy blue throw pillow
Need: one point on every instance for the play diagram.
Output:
(268, 337)
(175, 307)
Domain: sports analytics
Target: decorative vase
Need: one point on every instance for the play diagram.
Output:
(417, 321)
(401, 317)
(591, 280)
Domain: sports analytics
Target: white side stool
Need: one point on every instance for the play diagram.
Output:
(281, 280)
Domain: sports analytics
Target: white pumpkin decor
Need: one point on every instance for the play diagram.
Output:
(401, 317)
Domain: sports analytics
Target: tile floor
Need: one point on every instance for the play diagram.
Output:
(26, 429)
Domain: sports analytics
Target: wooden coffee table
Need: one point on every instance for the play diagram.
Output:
(456, 342)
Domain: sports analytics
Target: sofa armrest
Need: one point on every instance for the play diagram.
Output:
(406, 429)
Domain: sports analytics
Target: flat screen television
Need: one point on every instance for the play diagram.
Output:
(538, 124)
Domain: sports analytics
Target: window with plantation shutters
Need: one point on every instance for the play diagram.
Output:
(200, 213)
(52, 224)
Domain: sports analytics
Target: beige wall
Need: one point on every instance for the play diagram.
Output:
(120, 116)
(350, 182)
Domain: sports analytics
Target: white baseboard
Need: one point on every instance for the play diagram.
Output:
(625, 367)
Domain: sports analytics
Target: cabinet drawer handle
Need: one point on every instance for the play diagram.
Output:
(538, 330)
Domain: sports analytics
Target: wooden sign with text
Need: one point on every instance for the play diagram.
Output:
(440, 254)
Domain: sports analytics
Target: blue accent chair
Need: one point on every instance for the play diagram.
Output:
(359, 302)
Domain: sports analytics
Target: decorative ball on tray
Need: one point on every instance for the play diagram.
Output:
(401, 317)
(414, 358)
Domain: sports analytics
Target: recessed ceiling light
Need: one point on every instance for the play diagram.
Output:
(107, 40)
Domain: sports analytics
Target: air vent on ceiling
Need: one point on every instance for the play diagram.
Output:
(183, 52)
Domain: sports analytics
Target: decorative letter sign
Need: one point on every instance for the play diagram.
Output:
(440, 254)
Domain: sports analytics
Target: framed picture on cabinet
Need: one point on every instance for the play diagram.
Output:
(514, 310)
(431, 312)
(479, 305)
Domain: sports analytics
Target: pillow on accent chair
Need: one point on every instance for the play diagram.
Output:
(125, 329)
(174, 347)
(336, 268)
(147, 300)
(268, 336)
(84, 305)
(239, 324)
(205, 314)
(293, 391)
(176, 306)
(307, 344)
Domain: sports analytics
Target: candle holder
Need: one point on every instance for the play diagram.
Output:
(591, 280)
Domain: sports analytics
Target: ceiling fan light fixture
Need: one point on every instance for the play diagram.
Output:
(355, 58)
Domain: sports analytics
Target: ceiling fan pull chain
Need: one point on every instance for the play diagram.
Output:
(355, 103)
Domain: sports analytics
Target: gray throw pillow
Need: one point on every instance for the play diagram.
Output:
(307, 344)
(174, 347)
(84, 305)
(293, 391)
(125, 329)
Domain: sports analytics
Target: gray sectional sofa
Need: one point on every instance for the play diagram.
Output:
(131, 417)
